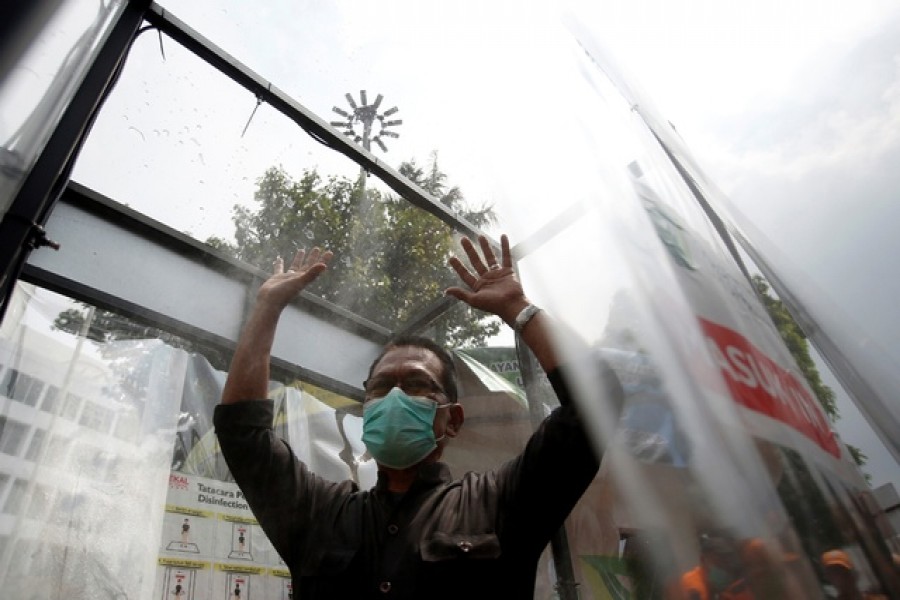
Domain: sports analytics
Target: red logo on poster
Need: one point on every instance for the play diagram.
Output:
(759, 383)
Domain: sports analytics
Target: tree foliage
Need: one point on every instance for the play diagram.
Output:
(798, 345)
(390, 257)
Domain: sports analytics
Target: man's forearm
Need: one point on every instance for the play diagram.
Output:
(248, 376)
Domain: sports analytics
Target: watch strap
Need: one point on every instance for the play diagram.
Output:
(524, 317)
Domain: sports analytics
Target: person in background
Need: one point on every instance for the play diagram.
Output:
(719, 576)
(841, 574)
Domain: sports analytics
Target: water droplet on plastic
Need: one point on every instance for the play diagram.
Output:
(138, 131)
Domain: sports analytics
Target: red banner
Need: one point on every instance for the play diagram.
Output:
(760, 384)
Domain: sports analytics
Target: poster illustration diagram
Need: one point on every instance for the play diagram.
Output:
(287, 590)
(212, 548)
(178, 584)
(180, 578)
(184, 543)
(238, 586)
(240, 541)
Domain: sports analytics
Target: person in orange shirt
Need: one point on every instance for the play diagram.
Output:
(840, 573)
(719, 576)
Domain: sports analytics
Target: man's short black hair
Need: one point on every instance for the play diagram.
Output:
(448, 375)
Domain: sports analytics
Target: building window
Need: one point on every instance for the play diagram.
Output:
(128, 426)
(36, 445)
(96, 417)
(12, 436)
(16, 498)
(9, 382)
(51, 400)
(40, 501)
(24, 388)
(57, 450)
(71, 405)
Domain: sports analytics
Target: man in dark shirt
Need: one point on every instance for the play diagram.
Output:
(418, 533)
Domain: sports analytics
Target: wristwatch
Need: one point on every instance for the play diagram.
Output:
(524, 316)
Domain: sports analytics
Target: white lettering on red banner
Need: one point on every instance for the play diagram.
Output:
(760, 384)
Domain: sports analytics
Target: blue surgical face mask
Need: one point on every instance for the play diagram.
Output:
(398, 428)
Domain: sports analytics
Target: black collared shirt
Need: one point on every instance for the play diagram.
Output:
(479, 536)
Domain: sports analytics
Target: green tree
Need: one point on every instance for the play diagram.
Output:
(390, 257)
(798, 345)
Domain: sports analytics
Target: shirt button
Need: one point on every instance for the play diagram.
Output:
(393, 529)
(464, 545)
(384, 587)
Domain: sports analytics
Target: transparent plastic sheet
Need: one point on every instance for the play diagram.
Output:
(39, 87)
(610, 241)
(121, 489)
(868, 371)
(87, 442)
(214, 156)
(734, 407)
(203, 510)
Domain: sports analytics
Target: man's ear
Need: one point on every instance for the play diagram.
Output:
(455, 422)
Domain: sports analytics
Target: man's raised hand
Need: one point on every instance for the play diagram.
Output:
(284, 285)
(493, 287)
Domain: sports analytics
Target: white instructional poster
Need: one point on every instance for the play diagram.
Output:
(213, 549)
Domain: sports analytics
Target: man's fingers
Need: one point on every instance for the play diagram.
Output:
(504, 249)
(487, 250)
(313, 256)
(297, 263)
(473, 255)
(304, 260)
(458, 293)
(278, 266)
(463, 272)
(312, 272)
